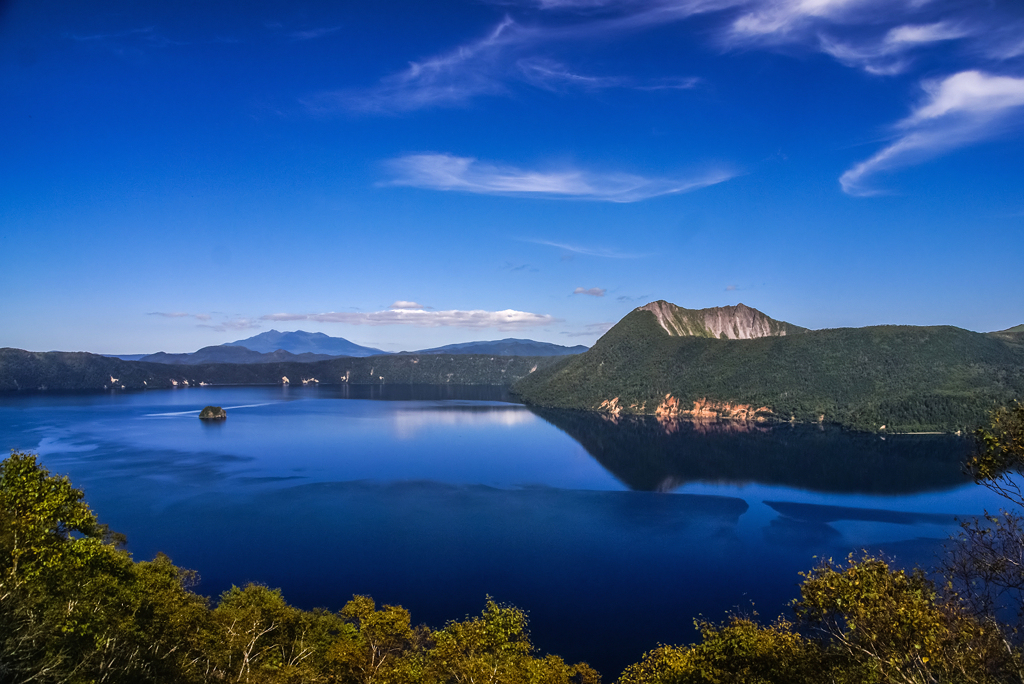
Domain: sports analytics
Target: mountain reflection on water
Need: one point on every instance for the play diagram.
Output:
(649, 455)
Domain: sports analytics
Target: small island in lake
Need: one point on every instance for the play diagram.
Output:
(213, 413)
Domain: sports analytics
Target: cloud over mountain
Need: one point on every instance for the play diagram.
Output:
(508, 319)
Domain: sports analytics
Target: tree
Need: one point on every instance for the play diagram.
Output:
(998, 463)
(264, 639)
(882, 624)
(495, 648)
(73, 606)
(739, 651)
(380, 646)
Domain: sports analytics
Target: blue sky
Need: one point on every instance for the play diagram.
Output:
(410, 174)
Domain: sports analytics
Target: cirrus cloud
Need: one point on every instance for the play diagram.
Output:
(880, 36)
(593, 291)
(959, 110)
(466, 174)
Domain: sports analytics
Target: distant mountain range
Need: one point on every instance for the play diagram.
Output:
(306, 347)
(737, 363)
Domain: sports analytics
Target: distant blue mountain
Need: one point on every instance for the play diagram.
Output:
(306, 347)
(506, 347)
(300, 342)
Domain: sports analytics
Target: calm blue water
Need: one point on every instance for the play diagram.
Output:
(612, 536)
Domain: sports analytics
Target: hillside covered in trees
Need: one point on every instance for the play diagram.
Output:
(905, 378)
(24, 370)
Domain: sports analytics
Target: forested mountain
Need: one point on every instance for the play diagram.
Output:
(901, 377)
(507, 347)
(232, 354)
(23, 370)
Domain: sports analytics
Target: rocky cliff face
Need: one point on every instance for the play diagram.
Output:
(738, 322)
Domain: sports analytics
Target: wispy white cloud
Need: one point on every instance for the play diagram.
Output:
(891, 54)
(959, 110)
(586, 251)
(593, 291)
(466, 174)
(879, 36)
(513, 52)
(555, 76)
(448, 79)
(508, 319)
(551, 75)
(777, 21)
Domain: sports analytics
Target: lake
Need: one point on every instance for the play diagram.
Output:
(612, 535)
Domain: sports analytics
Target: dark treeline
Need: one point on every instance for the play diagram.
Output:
(902, 377)
(76, 608)
(23, 370)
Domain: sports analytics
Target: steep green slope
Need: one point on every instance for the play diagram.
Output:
(21, 370)
(906, 378)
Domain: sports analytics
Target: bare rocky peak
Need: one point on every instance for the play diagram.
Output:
(738, 322)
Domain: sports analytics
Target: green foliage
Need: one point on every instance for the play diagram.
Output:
(74, 607)
(382, 647)
(263, 639)
(740, 651)
(906, 378)
(890, 625)
(495, 647)
(213, 413)
(999, 461)
(862, 621)
(23, 370)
